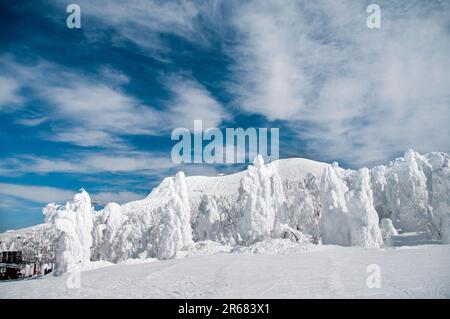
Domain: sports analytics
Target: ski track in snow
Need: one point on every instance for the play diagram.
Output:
(324, 271)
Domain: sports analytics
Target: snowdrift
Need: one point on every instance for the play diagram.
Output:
(297, 199)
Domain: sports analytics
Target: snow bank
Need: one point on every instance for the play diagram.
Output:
(207, 248)
(274, 246)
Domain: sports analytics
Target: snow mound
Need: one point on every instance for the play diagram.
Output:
(274, 246)
(207, 248)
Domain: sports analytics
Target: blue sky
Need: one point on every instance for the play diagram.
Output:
(94, 107)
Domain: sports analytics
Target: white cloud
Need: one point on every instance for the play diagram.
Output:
(116, 197)
(191, 101)
(142, 21)
(313, 65)
(89, 162)
(83, 111)
(268, 81)
(354, 93)
(87, 138)
(31, 121)
(39, 194)
(100, 109)
(120, 163)
(90, 113)
(9, 96)
(45, 194)
(113, 76)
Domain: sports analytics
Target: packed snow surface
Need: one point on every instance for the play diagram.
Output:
(279, 269)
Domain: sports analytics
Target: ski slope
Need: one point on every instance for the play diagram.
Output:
(313, 271)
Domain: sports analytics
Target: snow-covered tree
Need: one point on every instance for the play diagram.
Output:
(303, 205)
(440, 194)
(348, 215)
(380, 199)
(407, 192)
(334, 222)
(111, 247)
(75, 223)
(208, 223)
(174, 231)
(388, 231)
(365, 231)
(263, 203)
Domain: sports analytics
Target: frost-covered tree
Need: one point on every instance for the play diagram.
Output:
(348, 215)
(334, 222)
(440, 194)
(208, 224)
(263, 212)
(388, 231)
(303, 205)
(407, 193)
(365, 231)
(111, 227)
(174, 231)
(75, 223)
(380, 199)
(414, 191)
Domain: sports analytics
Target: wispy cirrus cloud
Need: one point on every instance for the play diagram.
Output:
(45, 194)
(313, 66)
(97, 112)
(32, 120)
(131, 163)
(88, 162)
(191, 101)
(142, 22)
(40, 194)
(9, 95)
(317, 67)
(82, 111)
(266, 78)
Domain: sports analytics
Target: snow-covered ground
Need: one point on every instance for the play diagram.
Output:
(313, 271)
